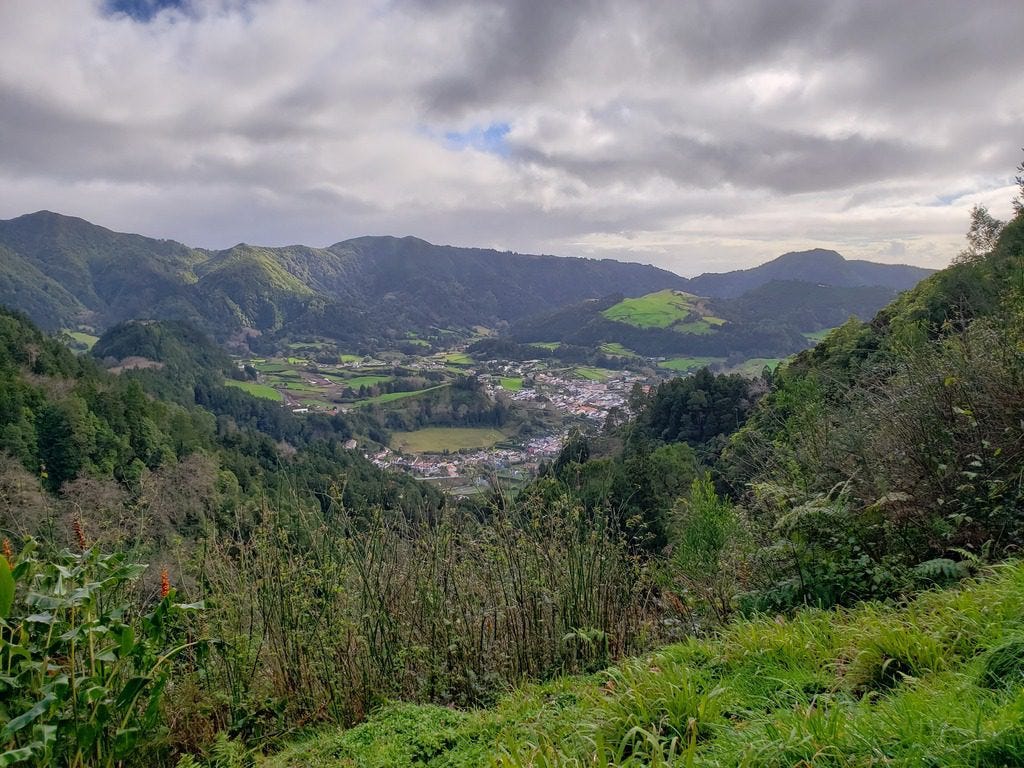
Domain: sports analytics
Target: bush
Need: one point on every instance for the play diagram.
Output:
(84, 667)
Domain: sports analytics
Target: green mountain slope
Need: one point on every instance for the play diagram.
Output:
(769, 321)
(682, 312)
(66, 272)
(25, 286)
(112, 275)
(896, 444)
(442, 285)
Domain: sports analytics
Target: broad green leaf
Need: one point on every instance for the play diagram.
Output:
(131, 689)
(6, 588)
(27, 717)
(127, 640)
(14, 756)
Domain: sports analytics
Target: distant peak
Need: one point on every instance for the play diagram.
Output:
(815, 254)
(45, 215)
(407, 239)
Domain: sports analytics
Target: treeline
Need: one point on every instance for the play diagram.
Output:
(635, 471)
(461, 403)
(505, 349)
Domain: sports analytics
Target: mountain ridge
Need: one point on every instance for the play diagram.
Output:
(65, 272)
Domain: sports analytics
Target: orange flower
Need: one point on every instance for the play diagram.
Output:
(8, 552)
(76, 526)
(165, 583)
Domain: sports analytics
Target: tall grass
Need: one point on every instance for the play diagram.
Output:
(325, 618)
(938, 681)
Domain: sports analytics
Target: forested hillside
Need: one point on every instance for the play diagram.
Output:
(66, 273)
(374, 292)
(200, 452)
(772, 320)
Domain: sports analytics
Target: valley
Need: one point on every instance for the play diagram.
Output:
(541, 401)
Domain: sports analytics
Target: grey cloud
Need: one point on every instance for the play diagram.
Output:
(654, 129)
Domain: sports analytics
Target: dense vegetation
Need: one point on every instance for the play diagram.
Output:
(111, 451)
(935, 682)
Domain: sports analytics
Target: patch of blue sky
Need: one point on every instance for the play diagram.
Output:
(948, 199)
(141, 10)
(490, 138)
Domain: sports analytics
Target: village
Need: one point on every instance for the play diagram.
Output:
(583, 397)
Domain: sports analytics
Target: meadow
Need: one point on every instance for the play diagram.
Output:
(440, 439)
(591, 374)
(665, 309)
(82, 342)
(687, 364)
(259, 390)
(615, 349)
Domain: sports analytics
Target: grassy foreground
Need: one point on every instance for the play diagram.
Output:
(936, 682)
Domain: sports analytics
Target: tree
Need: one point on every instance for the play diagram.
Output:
(1018, 201)
(982, 235)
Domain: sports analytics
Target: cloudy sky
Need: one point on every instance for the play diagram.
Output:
(692, 135)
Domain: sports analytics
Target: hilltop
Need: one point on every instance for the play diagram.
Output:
(818, 266)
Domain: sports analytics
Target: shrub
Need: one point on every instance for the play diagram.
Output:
(83, 668)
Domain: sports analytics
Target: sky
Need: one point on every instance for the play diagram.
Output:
(696, 136)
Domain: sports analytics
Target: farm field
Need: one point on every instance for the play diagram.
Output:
(592, 374)
(320, 387)
(687, 364)
(82, 341)
(360, 381)
(392, 396)
(302, 346)
(755, 365)
(665, 309)
(259, 390)
(616, 349)
(511, 383)
(440, 439)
